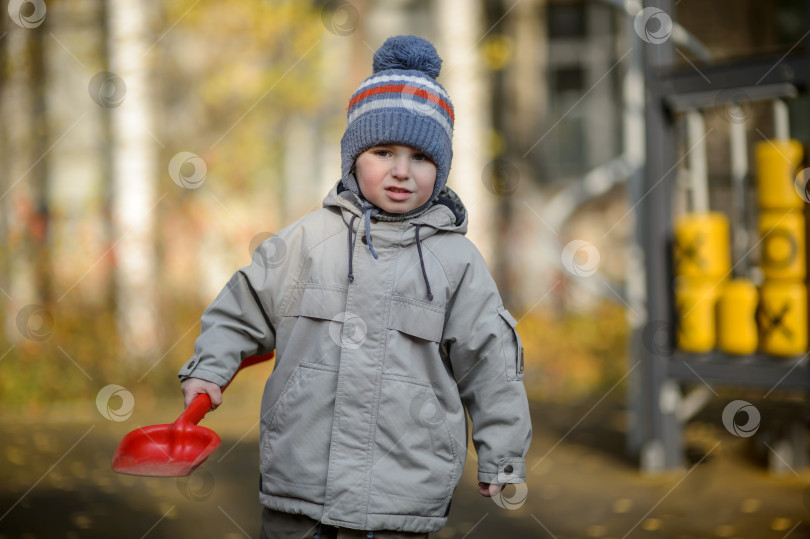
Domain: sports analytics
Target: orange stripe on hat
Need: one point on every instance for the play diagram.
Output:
(403, 88)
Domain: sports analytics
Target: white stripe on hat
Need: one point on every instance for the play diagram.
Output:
(417, 107)
(418, 81)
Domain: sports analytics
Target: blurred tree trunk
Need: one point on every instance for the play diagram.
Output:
(134, 166)
(299, 170)
(38, 175)
(79, 236)
(519, 89)
(5, 203)
(460, 27)
(108, 230)
(495, 172)
(23, 195)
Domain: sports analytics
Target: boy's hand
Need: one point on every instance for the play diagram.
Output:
(196, 386)
(489, 489)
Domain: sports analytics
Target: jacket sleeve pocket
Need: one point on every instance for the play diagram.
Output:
(512, 347)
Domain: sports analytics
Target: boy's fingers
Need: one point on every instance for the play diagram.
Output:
(489, 489)
(188, 397)
(192, 388)
(216, 398)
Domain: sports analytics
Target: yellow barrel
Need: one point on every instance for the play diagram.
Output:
(783, 318)
(702, 246)
(782, 235)
(737, 317)
(695, 303)
(777, 165)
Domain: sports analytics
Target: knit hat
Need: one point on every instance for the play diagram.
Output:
(401, 103)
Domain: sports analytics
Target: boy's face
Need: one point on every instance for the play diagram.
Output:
(395, 178)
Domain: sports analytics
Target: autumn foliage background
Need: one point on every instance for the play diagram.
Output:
(258, 91)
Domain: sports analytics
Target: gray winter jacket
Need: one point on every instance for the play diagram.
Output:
(363, 423)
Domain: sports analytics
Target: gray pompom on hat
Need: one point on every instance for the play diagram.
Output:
(401, 103)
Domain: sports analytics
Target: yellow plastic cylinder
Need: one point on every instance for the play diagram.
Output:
(777, 165)
(782, 236)
(695, 303)
(783, 318)
(702, 246)
(737, 317)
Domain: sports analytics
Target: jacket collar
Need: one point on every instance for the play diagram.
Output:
(446, 213)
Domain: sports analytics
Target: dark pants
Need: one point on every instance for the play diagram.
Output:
(278, 525)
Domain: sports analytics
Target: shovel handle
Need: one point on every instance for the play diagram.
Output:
(195, 411)
(201, 404)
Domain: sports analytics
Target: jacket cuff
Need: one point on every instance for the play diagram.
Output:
(192, 370)
(510, 470)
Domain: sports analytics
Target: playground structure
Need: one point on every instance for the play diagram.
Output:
(714, 320)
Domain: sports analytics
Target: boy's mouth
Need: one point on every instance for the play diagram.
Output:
(397, 190)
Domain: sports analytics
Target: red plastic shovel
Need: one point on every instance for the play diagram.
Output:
(173, 450)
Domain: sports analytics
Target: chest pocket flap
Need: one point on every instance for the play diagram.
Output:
(423, 322)
(319, 302)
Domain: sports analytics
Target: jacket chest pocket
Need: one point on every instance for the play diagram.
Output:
(414, 334)
(420, 321)
(313, 326)
(512, 347)
(320, 302)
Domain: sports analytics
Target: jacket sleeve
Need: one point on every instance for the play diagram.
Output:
(238, 323)
(486, 355)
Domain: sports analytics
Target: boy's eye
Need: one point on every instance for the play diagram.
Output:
(420, 157)
(382, 153)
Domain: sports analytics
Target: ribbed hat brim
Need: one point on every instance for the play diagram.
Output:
(390, 126)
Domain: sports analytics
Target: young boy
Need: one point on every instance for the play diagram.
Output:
(380, 347)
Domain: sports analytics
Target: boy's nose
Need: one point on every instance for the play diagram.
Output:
(401, 167)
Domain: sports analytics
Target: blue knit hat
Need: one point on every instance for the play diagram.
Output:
(401, 103)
